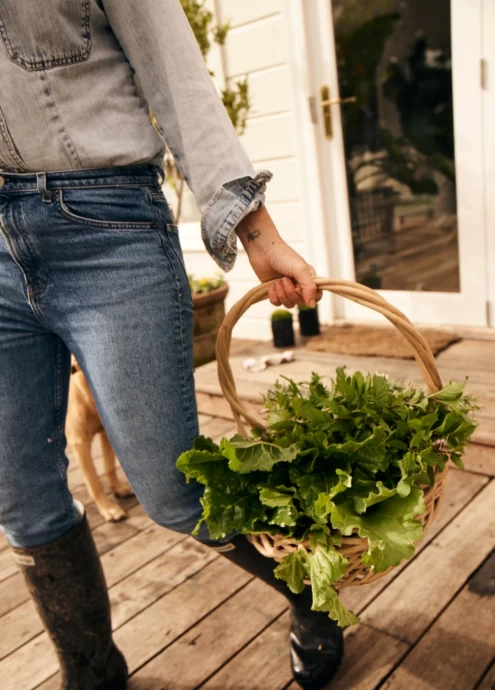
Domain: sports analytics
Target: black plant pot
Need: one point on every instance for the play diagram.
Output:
(309, 323)
(372, 280)
(283, 333)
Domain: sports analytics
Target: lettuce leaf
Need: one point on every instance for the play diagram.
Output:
(245, 455)
(367, 493)
(293, 568)
(284, 512)
(390, 527)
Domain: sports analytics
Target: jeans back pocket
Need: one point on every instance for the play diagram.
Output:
(45, 33)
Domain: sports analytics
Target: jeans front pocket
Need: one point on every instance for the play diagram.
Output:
(45, 33)
(122, 208)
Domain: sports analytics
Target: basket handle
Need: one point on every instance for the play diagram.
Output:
(353, 291)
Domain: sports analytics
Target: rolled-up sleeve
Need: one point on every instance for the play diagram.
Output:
(173, 78)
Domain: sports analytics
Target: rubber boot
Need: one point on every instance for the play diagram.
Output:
(316, 641)
(66, 582)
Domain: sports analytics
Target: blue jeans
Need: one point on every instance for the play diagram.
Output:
(90, 263)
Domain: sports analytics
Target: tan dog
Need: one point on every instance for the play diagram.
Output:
(82, 425)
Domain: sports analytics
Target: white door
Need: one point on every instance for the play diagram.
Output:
(401, 156)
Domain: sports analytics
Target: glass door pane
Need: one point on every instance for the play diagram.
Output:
(395, 58)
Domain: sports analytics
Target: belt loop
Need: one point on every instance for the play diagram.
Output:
(160, 175)
(46, 195)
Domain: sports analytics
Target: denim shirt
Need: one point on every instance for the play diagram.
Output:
(77, 81)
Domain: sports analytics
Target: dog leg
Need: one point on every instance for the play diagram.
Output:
(119, 488)
(110, 510)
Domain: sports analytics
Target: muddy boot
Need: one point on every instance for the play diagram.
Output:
(66, 582)
(316, 642)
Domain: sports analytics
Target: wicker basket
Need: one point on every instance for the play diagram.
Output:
(278, 546)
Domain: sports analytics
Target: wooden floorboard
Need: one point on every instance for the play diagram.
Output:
(263, 664)
(480, 459)
(155, 628)
(459, 645)
(488, 681)
(186, 618)
(408, 606)
(205, 647)
(13, 593)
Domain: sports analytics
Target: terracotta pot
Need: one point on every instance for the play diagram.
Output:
(209, 310)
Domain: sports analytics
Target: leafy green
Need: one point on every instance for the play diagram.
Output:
(389, 526)
(350, 459)
(285, 513)
(293, 568)
(247, 456)
(366, 493)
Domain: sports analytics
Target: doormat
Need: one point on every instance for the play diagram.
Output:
(370, 341)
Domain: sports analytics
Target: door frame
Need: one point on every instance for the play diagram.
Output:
(489, 148)
(331, 241)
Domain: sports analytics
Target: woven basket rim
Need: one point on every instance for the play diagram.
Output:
(278, 546)
(357, 293)
(439, 477)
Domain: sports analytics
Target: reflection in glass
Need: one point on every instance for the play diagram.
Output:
(394, 56)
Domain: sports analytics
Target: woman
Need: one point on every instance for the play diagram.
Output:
(90, 263)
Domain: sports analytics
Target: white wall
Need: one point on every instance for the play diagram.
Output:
(258, 47)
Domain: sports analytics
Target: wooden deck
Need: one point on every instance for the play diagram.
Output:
(186, 618)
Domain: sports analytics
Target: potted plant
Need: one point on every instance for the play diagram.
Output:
(309, 322)
(208, 295)
(282, 328)
(371, 278)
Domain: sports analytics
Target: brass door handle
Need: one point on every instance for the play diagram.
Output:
(325, 103)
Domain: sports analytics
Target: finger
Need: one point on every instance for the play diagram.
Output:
(292, 291)
(282, 296)
(280, 291)
(272, 296)
(305, 276)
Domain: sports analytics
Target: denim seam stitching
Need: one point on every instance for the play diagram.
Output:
(58, 428)
(67, 141)
(181, 262)
(188, 418)
(67, 59)
(35, 292)
(30, 293)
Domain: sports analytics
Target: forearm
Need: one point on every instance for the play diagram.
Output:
(271, 257)
(257, 232)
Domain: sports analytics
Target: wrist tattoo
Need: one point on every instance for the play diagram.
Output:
(253, 235)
